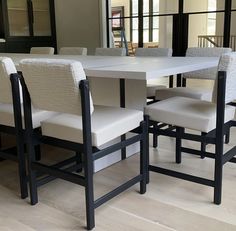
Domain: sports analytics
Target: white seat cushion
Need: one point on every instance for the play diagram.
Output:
(151, 89)
(7, 116)
(188, 113)
(194, 93)
(107, 124)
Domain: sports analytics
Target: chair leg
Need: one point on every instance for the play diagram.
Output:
(144, 156)
(155, 138)
(89, 193)
(22, 167)
(1, 159)
(32, 174)
(227, 136)
(37, 152)
(218, 170)
(178, 156)
(184, 82)
(203, 146)
(171, 81)
(79, 161)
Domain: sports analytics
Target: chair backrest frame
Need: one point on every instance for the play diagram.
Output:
(153, 52)
(53, 84)
(209, 73)
(73, 51)
(42, 50)
(110, 52)
(6, 69)
(227, 64)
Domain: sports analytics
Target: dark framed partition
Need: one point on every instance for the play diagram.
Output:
(186, 17)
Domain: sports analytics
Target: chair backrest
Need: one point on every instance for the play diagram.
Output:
(73, 51)
(154, 52)
(53, 84)
(228, 64)
(209, 73)
(110, 52)
(42, 50)
(7, 67)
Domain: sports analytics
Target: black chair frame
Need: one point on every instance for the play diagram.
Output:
(90, 155)
(215, 137)
(16, 153)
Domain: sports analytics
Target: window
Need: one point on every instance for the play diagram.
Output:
(150, 23)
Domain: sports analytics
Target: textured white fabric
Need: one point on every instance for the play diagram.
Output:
(7, 67)
(73, 51)
(53, 84)
(42, 50)
(195, 93)
(107, 123)
(209, 73)
(228, 64)
(151, 89)
(153, 52)
(7, 116)
(188, 113)
(110, 52)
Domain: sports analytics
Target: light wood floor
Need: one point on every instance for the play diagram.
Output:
(169, 204)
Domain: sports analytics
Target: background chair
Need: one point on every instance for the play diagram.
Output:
(106, 91)
(11, 117)
(212, 119)
(73, 51)
(154, 52)
(42, 50)
(205, 74)
(80, 126)
(110, 52)
(10, 123)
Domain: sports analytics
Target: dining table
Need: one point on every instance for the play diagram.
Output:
(121, 81)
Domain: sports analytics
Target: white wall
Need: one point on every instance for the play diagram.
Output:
(78, 23)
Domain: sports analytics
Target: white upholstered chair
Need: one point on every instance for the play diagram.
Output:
(153, 52)
(211, 118)
(11, 117)
(110, 51)
(42, 50)
(205, 74)
(104, 89)
(80, 126)
(73, 51)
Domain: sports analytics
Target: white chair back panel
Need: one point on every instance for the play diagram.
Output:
(110, 52)
(7, 67)
(73, 51)
(53, 84)
(42, 50)
(153, 52)
(209, 73)
(228, 64)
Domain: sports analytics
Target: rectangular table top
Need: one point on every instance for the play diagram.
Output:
(139, 68)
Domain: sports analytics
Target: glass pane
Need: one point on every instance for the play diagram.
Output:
(234, 4)
(145, 23)
(145, 36)
(18, 17)
(203, 5)
(165, 31)
(145, 7)
(155, 7)
(206, 30)
(168, 7)
(125, 4)
(233, 31)
(42, 22)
